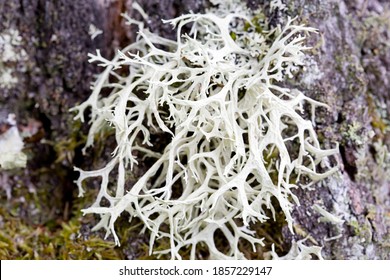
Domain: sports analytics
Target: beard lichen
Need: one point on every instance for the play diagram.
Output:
(238, 140)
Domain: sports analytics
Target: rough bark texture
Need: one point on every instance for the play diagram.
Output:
(354, 59)
(350, 71)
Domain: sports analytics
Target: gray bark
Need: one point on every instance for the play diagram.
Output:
(352, 52)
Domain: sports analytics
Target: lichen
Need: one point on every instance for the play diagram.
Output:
(299, 251)
(10, 53)
(93, 31)
(277, 4)
(11, 146)
(326, 216)
(238, 145)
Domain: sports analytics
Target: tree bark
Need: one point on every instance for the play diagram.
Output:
(351, 63)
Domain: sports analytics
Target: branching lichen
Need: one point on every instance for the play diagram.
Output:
(238, 139)
(299, 251)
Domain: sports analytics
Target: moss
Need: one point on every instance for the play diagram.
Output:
(20, 240)
(44, 221)
(233, 35)
(257, 23)
(362, 230)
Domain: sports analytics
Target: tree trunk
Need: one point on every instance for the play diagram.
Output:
(349, 71)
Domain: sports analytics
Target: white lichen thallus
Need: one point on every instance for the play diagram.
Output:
(232, 127)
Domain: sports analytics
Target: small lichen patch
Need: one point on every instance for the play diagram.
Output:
(311, 72)
(326, 216)
(11, 145)
(93, 31)
(277, 4)
(11, 52)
